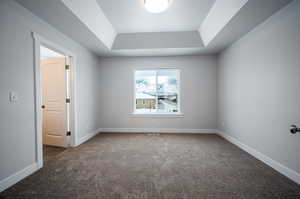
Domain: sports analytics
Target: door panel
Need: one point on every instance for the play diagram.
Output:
(54, 99)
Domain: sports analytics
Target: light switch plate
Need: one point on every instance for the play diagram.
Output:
(13, 96)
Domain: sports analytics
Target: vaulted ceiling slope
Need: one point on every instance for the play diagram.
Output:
(114, 27)
(57, 14)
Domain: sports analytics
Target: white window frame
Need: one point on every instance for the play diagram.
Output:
(151, 114)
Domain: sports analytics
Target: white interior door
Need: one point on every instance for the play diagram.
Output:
(54, 100)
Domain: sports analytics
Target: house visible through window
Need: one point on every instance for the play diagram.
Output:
(157, 91)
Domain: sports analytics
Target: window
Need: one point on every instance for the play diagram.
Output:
(157, 91)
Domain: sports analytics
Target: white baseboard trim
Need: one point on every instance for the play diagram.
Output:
(158, 130)
(18, 176)
(291, 174)
(87, 137)
(143, 130)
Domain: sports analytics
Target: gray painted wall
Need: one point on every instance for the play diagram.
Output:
(198, 92)
(158, 40)
(258, 87)
(258, 80)
(17, 133)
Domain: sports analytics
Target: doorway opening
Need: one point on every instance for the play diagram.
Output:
(55, 108)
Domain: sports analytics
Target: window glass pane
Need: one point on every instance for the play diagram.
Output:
(145, 91)
(157, 91)
(167, 91)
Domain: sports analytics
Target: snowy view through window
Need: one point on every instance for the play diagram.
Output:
(156, 91)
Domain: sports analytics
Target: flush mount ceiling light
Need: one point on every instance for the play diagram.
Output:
(156, 6)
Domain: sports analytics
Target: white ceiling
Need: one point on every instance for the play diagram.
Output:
(181, 30)
(70, 25)
(130, 16)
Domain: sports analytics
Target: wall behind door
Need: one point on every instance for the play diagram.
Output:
(198, 92)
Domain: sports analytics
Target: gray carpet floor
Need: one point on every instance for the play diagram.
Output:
(166, 166)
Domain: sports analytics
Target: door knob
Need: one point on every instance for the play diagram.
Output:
(294, 129)
(43, 107)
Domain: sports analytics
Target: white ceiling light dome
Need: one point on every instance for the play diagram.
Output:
(157, 6)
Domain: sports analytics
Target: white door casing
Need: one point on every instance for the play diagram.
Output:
(39, 40)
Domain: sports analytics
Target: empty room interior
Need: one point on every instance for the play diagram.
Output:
(150, 99)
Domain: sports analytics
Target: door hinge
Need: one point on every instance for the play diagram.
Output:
(67, 67)
(68, 133)
(68, 100)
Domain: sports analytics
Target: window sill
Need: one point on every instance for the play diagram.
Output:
(157, 115)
